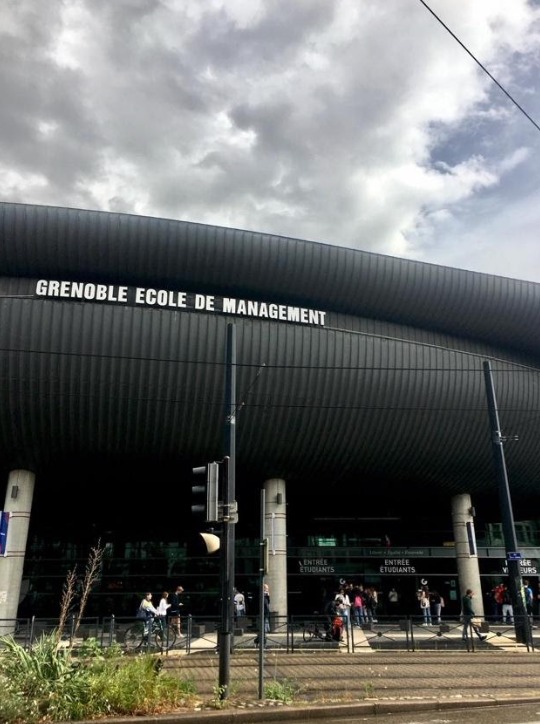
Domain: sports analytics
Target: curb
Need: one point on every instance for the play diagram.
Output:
(262, 713)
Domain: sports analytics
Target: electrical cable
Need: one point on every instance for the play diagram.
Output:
(486, 71)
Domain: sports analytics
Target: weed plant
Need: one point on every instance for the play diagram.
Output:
(284, 691)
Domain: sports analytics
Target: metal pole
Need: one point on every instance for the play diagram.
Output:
(521, 622)
(229, 518)
(262, 632)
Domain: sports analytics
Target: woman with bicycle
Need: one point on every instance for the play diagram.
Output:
(151, 629)
(147, 612)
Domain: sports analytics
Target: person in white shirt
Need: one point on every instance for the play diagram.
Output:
(344, 604)
(239, 604)
(164, 605)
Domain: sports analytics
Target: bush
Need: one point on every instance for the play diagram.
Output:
(46, 684)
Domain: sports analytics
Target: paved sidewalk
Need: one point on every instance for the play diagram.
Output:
(337, 676)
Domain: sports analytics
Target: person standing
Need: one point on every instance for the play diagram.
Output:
(174, 610)
(507, 606)
(496, 604)
(393, 602)
(239, 604)
(467, 611)
(529, 598)
(358, 602)
(343, 597)
(425, 606)
(437, 603)
(371, 603)
(266, 607)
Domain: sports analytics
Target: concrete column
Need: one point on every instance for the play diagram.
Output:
(18, 503)
(275, 522)
(466, 552)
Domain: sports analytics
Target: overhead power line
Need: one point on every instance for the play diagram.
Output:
(486, 71)
(511, 368)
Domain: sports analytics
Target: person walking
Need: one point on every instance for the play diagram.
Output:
(148, 612)
(163, 606)
(174, 610)
(467, 611)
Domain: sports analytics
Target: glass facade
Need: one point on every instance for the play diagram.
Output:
(315, 571)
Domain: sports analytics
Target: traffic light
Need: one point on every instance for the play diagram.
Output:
(205, 491)
(211, 541)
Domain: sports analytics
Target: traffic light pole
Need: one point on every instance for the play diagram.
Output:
(229, 517)
(521, 621)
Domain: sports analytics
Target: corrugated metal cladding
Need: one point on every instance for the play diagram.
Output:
(390, 390)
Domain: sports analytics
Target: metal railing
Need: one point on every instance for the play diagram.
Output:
(295, 633)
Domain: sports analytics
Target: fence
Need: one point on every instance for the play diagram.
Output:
(295, 633)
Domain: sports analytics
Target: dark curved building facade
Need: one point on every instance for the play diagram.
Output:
(359, 382)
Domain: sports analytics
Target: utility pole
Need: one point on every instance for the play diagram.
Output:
(262, 572)
(229, 517)
(521, 621)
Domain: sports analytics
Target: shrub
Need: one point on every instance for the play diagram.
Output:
(46, 684)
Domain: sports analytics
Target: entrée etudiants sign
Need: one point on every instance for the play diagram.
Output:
(166, 298)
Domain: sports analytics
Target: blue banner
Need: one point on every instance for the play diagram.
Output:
(4, 522)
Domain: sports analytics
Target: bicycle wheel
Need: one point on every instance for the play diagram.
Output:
(165, 637)
(307, 633)
(134, 637)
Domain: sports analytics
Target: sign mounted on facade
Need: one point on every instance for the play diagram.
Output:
(397, 565)
(316, 566)
(167, 299)
(527, 567)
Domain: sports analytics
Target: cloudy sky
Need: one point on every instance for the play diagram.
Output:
(361, 123)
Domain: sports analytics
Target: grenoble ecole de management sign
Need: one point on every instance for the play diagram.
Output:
(165, 298)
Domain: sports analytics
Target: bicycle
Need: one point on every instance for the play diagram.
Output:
(158, 631)
(312, 630)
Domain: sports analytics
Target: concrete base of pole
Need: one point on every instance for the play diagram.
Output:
(224, 645)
